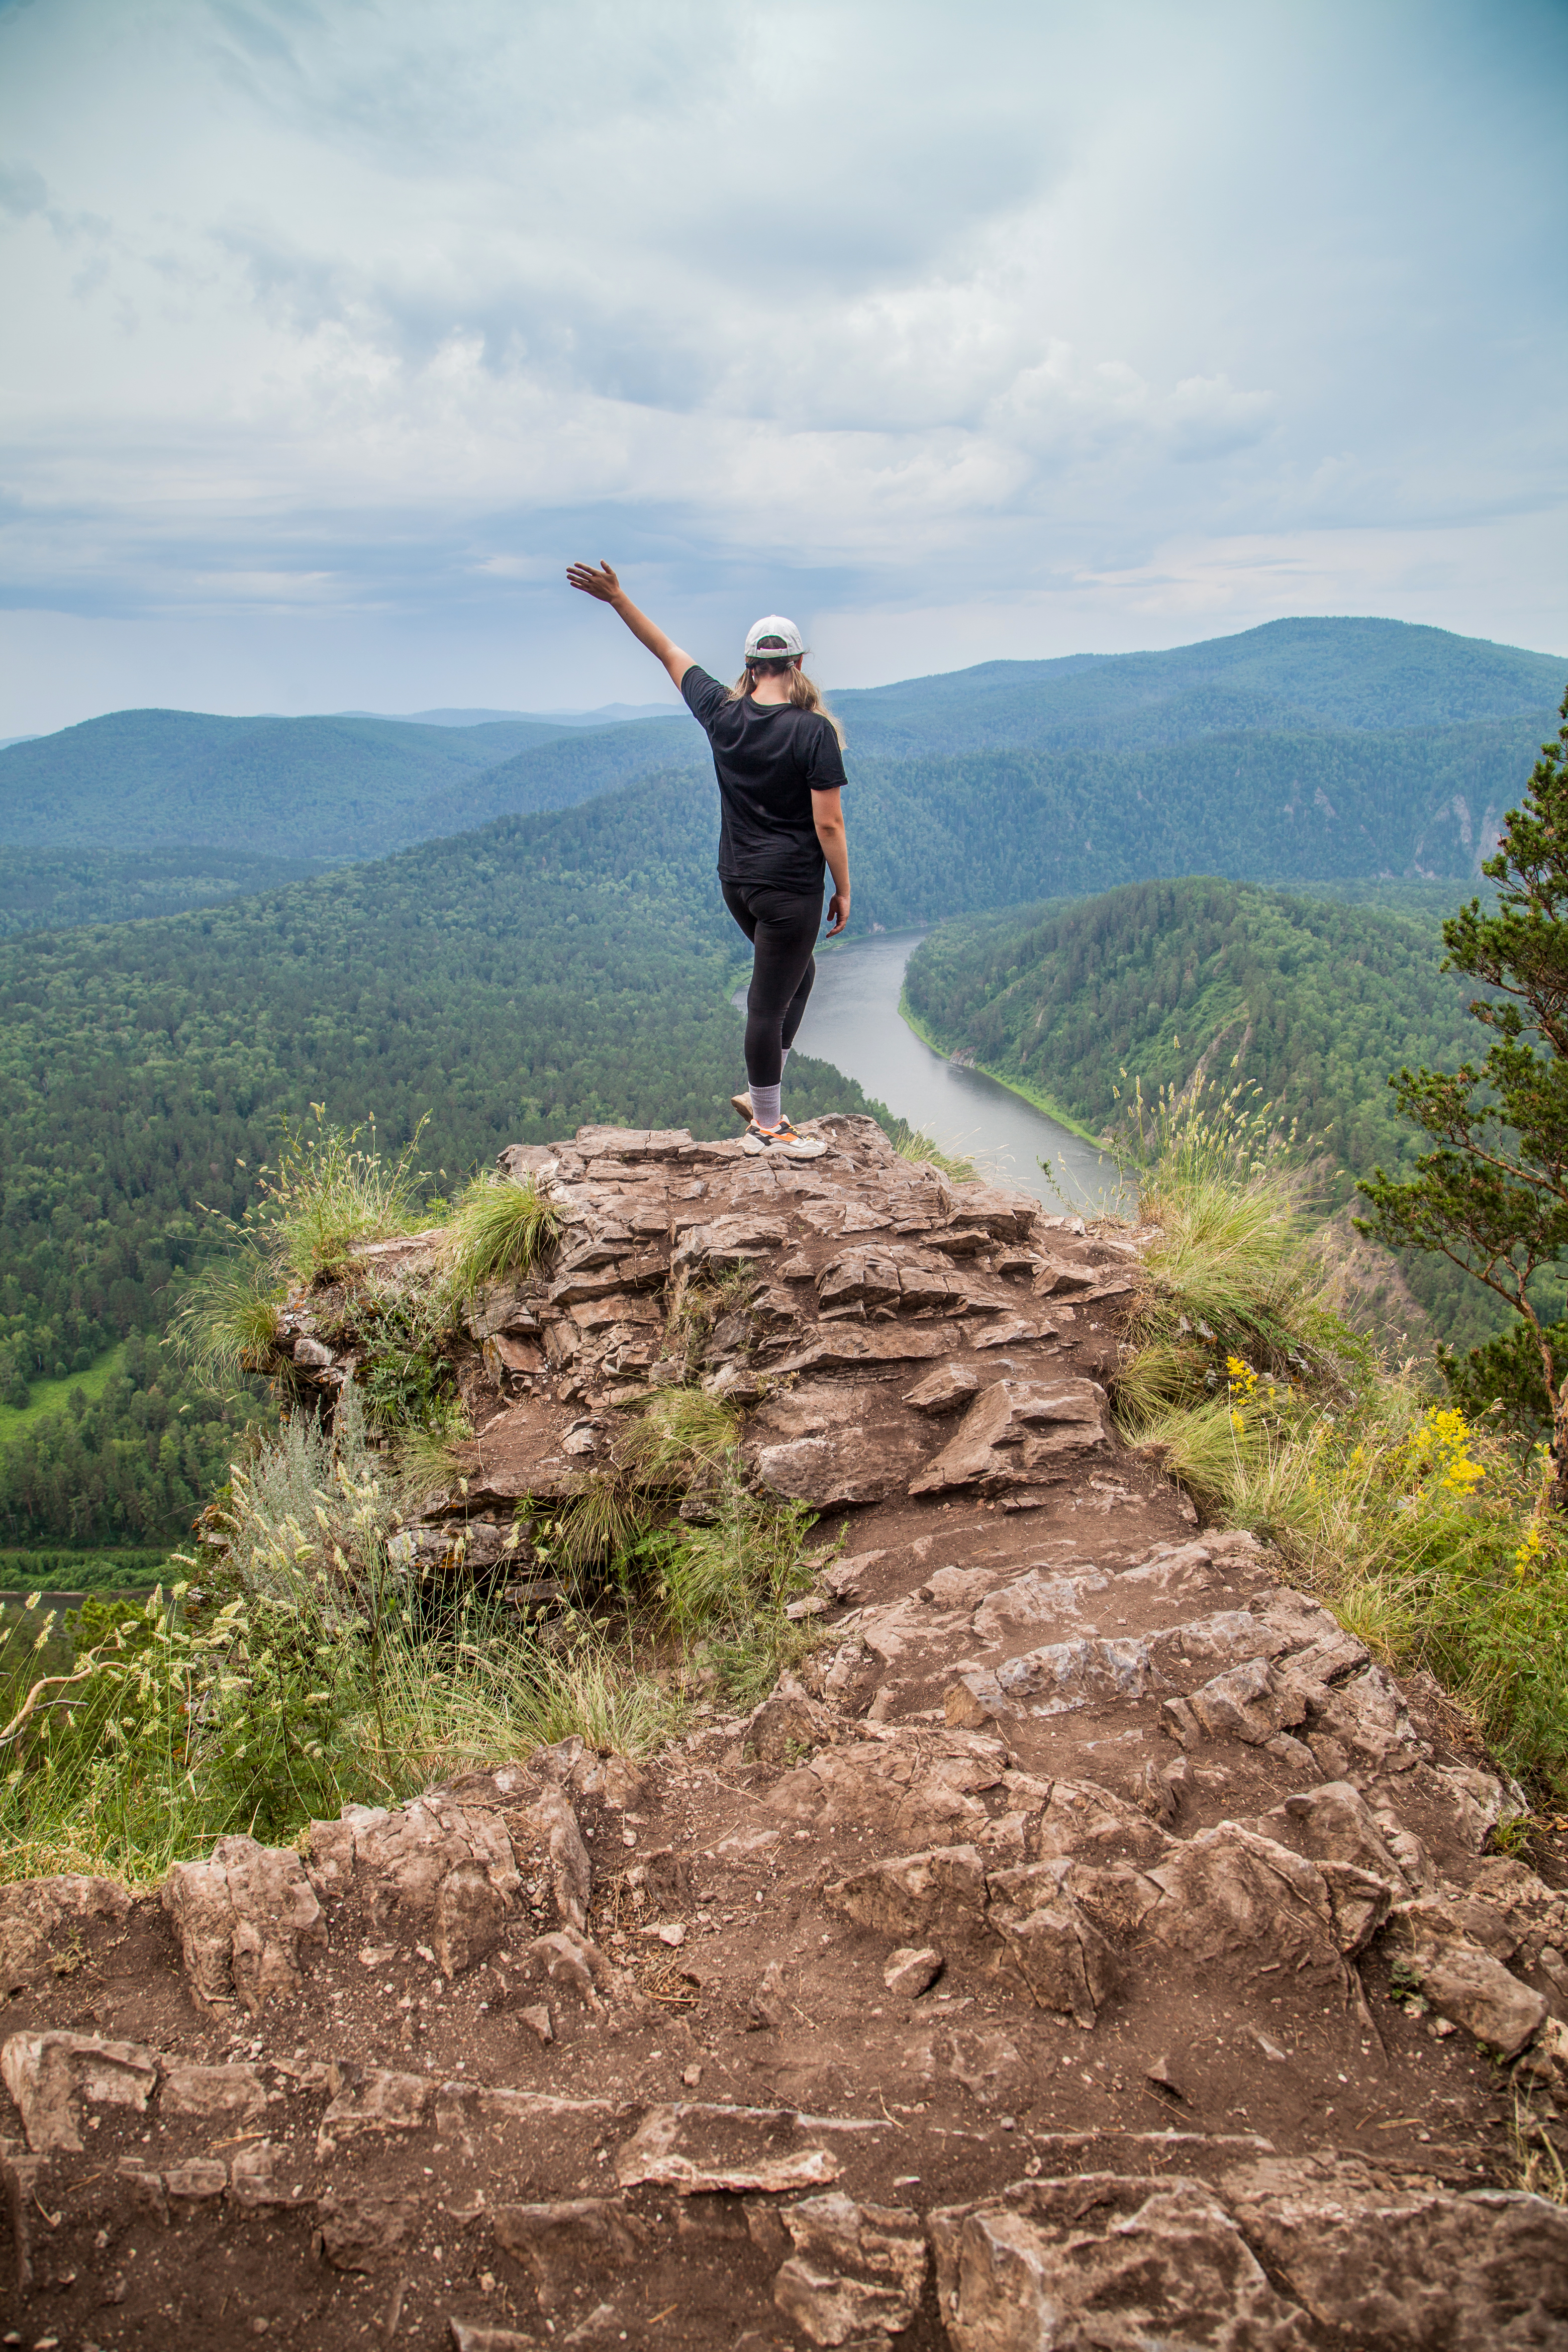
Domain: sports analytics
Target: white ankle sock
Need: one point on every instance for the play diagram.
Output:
(765, 1105)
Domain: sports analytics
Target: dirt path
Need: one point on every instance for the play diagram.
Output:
(1090, 1949)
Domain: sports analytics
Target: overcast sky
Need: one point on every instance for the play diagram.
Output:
(335, 331)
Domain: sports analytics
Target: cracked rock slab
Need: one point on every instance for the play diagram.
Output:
(52, 2076)
(1120, 2265)
(242, 1916)
(1016, 1434)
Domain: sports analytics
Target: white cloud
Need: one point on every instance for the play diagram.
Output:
(382, 312)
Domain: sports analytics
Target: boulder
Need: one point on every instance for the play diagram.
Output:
(1078, 1818)
(375, 2100)
(1336, 1824)
(852, 1465)
(786, 1723)
(1061, 1957)
(1285, 2254)
(943, 1391)
(832, 2310)
(236, 2093)
(1359, 1902)
(1061, 1676)
(1247, 1703)
(441, 1870)
(1423, 2268)
(854, 2268)
(548, 1827)
(1015, 1433)
(1461, 1980)
(1002, 1212)
(1036, 1598)
(752, 2151)
(912, 1785)
(242, 1918)
(1228, 1891)
(939, 1895)
(912, 1969)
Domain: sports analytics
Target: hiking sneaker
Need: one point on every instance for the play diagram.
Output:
(743, 1103)
(783, 1140)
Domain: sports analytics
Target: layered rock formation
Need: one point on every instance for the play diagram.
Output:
(1090, 1946)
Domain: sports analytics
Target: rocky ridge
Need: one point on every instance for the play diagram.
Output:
(1090, 1946)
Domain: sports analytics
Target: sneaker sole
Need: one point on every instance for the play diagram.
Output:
(755, 1149)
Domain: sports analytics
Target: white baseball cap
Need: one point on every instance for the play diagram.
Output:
(773, 625)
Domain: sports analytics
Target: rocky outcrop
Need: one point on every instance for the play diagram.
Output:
(1086, 1944)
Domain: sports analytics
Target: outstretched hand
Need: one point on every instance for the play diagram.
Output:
(595, 581)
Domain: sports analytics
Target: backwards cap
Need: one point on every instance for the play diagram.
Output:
(773, 625)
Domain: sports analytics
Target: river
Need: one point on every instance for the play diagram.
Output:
(853, 1021)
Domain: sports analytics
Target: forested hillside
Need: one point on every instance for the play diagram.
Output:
(1318, 1004)
(180, 779)
(1380, 697)
(50, 888)
(513, 985)
(937, 836)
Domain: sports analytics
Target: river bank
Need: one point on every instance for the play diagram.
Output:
(855, 1020)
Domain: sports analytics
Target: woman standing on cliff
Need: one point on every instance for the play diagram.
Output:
(780, 772)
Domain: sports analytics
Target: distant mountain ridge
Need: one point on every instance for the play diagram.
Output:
(1286, 677)
(335, 787)
(1366, 701)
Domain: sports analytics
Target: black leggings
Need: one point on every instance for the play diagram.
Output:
(782, 925)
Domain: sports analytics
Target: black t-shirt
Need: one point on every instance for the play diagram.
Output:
(769, 757)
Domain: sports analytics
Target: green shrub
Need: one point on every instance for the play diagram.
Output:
(405, 1381)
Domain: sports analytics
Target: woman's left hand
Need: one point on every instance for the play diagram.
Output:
(838, 913)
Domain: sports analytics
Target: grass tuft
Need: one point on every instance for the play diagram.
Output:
(329, 1193)
(681, 1438)
(228, 1318)
(913, 1143)
(1425, 1534)
(501, 1226)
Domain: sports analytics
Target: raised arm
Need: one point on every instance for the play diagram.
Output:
(602, 582)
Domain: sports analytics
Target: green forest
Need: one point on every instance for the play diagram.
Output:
(1315, 1002)
(513, 986)
(935, 838)
(42, 889)
(571, 959)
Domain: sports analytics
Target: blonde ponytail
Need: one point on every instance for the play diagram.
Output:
(803, 693)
